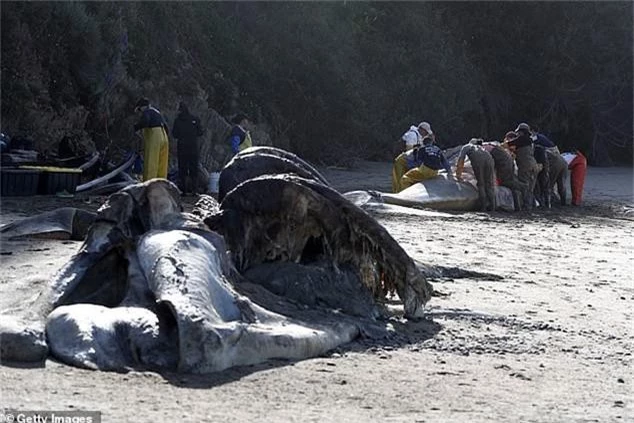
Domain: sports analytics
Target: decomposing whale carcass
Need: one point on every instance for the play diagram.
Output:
(257, 161)
(283, 267)
(63, 223)
(318, 227)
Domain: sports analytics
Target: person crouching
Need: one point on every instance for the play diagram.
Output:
(418, 164)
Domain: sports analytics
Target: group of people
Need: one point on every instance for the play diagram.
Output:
(526, 161)
(187, 129)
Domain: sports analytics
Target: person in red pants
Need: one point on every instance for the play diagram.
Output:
(577, 165)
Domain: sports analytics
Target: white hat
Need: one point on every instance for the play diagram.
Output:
(524, 126)
(427, 127)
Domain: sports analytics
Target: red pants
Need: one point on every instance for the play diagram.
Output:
(577, 177)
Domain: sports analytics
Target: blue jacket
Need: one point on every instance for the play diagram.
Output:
(237, 136)
(429, 155)
(544, 141)
(434, 158)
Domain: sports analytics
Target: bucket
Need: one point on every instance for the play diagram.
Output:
(214, 178)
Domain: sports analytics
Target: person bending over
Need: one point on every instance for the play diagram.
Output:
(483, 169)
(430, 160)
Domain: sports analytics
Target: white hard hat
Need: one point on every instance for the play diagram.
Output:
(426, 126)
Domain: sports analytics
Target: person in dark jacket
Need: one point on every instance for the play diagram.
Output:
(540, 139)
(186, 130)
(544, 141)
(154, 130)
(430, 160)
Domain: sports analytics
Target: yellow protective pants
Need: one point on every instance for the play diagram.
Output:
(416, 175)
(247, 143)
(155, 153)
(398, 170)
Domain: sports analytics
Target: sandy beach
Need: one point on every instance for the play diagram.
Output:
(549, 339)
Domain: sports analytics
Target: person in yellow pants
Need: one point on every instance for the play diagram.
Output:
(155, 141)
(417, 174)
(418, 164)
(400, 168)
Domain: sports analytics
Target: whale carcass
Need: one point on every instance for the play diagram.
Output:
(283, 267)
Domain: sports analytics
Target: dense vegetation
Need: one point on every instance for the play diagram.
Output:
(327, 80)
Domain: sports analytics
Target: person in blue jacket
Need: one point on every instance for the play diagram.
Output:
(424, 164)
(540, 139)
(240, 138)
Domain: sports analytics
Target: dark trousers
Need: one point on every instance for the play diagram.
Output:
(188, 159)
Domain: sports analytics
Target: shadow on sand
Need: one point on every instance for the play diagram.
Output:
(401, 334)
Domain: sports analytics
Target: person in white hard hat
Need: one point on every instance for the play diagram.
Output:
(424, 129)
(415, 134)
